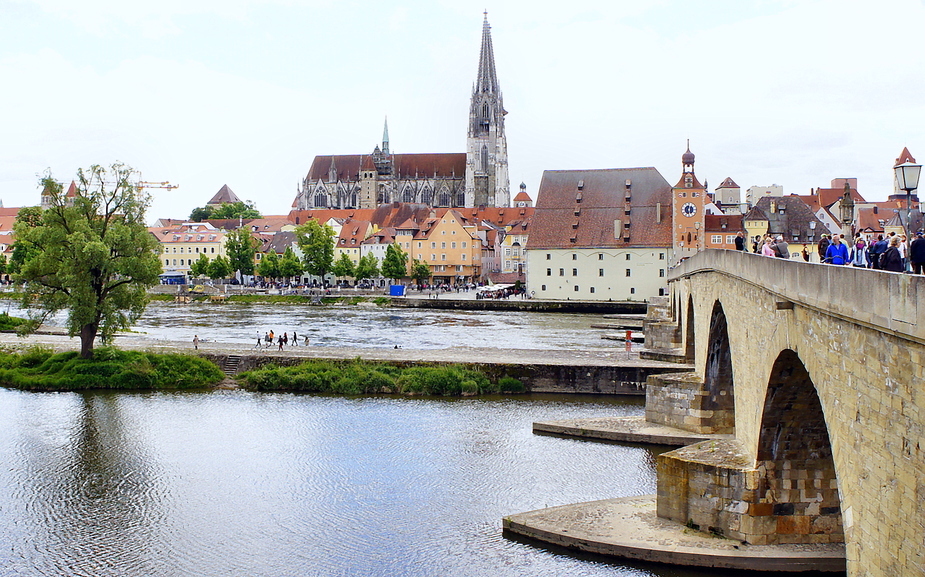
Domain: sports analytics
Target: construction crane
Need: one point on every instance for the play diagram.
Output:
(148, 184)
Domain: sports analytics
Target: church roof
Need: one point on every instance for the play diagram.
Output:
(425, 165)
(578, 208)
(728, 183)
(223, 196)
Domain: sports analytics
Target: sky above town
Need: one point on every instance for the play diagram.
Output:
(204, 93)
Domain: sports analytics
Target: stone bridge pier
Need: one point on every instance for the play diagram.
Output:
(813, 375)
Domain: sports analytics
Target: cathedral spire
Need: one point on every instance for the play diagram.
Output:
(385, 137)
(487, 80)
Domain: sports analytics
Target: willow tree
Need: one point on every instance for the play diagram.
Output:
(90, 254)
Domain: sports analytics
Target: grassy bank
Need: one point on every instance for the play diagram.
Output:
(357, 377)
(40, 369)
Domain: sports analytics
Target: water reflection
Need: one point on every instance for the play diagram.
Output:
(235, 483)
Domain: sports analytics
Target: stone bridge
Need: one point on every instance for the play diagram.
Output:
(812, 378)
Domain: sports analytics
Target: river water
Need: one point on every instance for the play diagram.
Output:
(232, 483)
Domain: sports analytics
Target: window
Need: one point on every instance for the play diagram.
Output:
(443, 232)
(464, 244)
(549, 272)
(181, 250)
(632, 291)
(628, 272)
(561, 272)
(433, 245)
(600, 272)
(167, 261)
(600, 256)
(627, 256)
(543, 287)
(433, 256)
(592, 290)
(452, 245)
(181, 262)
(174, 262)
(731, 239)
(716, 239)
(661, 272)
(442, 245)
(419, 244)
(459, 268)
(548, 256)
(576, 288)
(463, 256)
(442, 257)
(197, 249)
(574, 272)
(213, 250)
(661, 256)
(574, 256)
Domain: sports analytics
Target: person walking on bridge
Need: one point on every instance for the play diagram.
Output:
(892, 260)
(837, 253)
(917, 253)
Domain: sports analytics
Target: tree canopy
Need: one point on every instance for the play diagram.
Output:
(200, 267)
(241, 246)
(90, 254)
(219, 267)
(317, 244)
(395, 264)
(289, 264)
(367, 268)
(420, 271)
(269, 266)
(225, 210)
(344, 266)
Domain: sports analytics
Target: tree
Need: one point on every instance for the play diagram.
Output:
(269, 266)
(368, 267)
(226, 210)
(420, 271)
(220, 268)
(289, 264)
(200, 268)
(92, 255)
(241, 246)
(395, 265)
(238, 209)
(201, 213)
(343, 267)
(317, 244)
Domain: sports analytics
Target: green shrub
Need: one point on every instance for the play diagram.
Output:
(508, 384)
(110, 368)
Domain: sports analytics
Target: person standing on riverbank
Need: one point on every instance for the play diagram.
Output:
(295, 339)
(196, 342)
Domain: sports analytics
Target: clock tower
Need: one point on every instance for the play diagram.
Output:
(688, 203)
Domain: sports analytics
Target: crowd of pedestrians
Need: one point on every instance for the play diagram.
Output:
(889, 252)
(269, 337)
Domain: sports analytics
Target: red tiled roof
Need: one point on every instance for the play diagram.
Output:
(829, 196)
(728, 183)
(522, 196)
(904, 156)
(602, 202)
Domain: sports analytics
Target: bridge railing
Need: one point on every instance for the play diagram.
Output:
(883, 300)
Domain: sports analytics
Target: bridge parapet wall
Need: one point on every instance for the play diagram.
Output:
(882, 300)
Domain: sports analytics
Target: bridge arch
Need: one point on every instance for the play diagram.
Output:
(689, 348)
(718, 375)
(797, 476)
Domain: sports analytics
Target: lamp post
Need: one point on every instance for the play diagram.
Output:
(907, 178)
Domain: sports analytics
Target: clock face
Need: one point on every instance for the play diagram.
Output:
(689, 209)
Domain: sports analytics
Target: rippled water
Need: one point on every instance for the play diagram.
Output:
(361, 326)
(235, 483)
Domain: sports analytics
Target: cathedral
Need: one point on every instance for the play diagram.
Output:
(478, 177)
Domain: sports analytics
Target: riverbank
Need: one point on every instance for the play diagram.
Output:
(600, 371)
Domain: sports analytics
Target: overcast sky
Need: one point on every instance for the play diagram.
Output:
(245, 92)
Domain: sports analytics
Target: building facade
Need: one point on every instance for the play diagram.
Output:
(477, 177)
(600, 235)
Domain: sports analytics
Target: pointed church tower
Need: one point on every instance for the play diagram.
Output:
(486, 146)
(688, 206)
(385, 137)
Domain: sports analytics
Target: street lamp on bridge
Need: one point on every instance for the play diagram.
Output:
(907, 178)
